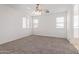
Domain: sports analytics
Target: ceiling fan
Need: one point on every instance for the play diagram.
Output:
(39, 10)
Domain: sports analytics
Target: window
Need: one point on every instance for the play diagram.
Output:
(60, 22)
(76, 22)
(24, 22)
(35, 23)
(28, 22)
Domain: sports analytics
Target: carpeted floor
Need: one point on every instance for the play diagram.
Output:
(38, 45)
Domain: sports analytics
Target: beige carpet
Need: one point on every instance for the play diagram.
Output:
(38, 45)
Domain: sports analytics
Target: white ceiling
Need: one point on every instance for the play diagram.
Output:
(51, 7)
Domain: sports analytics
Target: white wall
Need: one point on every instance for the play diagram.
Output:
(11, 24)
(47, 26)
(70, 24)
(72, 32)
(76, 21)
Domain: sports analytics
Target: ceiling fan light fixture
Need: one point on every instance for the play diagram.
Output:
(38, 11)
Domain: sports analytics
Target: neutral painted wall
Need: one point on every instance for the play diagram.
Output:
(72, 32)
(70, 24)
(47, 26)
(11, 24)
(76, 13)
